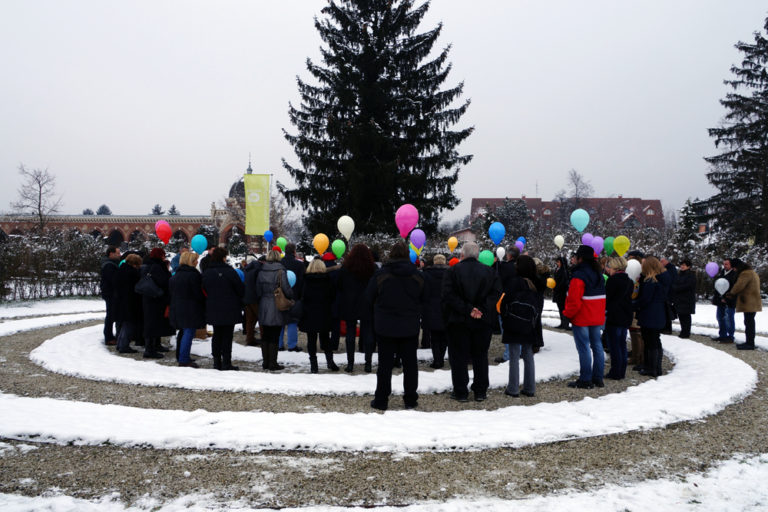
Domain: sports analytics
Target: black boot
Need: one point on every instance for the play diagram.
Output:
(329, 359)
(227, 363)
(217, 362)
(265, 355)
(313, 364)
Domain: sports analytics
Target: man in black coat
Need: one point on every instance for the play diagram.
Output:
(684, 296)
(433, 315)
(470, 292)
(109, 265)
(726, 305)
(397, 294)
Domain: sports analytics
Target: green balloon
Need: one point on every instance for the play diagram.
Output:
(486, 257)
(608, 245)
(338, 247)
(281, 243)
(605, 276)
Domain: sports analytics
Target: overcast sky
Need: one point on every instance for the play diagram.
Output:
(154, 101)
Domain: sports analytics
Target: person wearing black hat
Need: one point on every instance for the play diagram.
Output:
(585, 308)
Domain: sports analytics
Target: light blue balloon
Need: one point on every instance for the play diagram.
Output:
(199, 244)
(291, 277)
(497, 231)
(414, 256)
(241, 274)
(268, 236)
(522, 239)
(579, 219)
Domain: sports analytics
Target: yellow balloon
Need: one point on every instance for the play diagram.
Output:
(551, 283)
(321, 243)
(453, 242)
(621, 245)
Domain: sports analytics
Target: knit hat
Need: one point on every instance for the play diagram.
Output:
(636, 254)
(585, 252)
(329, 256)
(157, 253)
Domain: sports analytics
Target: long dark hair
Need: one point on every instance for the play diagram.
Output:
(526, 267)
(360, 262)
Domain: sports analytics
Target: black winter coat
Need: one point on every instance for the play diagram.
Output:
(507, 272)
(561, 284)
(618, 300)
(470, 284)
(156, 324)
(128, 302)
(187, 299)
(513, 287)
(251, 275)
(684, 292)
(651, 304)
(433, 314)
(108, 273)
(319, 294)
(350, 294)
(224, 294)
(297, 267)
(397, 295)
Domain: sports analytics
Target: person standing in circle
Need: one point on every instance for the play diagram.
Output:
(223, 306)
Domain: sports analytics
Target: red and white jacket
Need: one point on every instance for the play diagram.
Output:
(585, 302)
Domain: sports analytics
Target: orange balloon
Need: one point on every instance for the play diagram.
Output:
(453, 261)
(453, 242)
(321, 243)
(551, 283)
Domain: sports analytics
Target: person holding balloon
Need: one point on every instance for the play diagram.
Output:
(726, 305)
(352, 280)
(223, 306)
(585, 308)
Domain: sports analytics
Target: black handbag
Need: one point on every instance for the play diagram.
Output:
(147, 287)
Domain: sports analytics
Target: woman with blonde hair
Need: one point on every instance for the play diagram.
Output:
(271, 319)
(319, 293)
(651, 314)
(618, 314)
(187, 311)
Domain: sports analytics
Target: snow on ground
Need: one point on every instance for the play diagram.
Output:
(736, 484)
(50, 307)
(686, 393)
(81, 353)
(28, 324)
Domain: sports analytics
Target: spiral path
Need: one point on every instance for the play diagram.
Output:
(85, 428)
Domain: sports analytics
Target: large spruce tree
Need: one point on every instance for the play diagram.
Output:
(374, 131)
(740, 172)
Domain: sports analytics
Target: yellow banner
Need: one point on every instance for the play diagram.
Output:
(256, 203)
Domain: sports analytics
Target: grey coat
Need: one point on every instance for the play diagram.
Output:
(266, 282)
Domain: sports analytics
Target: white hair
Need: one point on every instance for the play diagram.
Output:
(470, 250)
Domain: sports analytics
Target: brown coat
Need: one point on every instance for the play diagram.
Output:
(747, 291)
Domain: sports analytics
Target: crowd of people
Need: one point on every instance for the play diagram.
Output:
(388, 306)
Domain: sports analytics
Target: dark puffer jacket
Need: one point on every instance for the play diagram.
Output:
(618, 300)
(156, 324)
(397, 295)
(128, 302)
(318, 297)
(187, 299)
(433, 314)
(650, 305)
(224, 294)
(684, 292)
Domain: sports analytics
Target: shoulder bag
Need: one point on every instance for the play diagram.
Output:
(282, 302)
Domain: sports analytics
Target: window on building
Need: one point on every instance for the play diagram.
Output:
(650, 211)
(547, 211)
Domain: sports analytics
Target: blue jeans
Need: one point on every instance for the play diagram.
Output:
(726, 320)
(529, 369)
(186, 344)
(293, 335)
(617, 342)
(591, 364)
(506, 346)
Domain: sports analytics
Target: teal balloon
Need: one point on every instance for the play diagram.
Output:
(497, 231)
(486, 257)
(579, 219)
(199, 244)
(291, 277)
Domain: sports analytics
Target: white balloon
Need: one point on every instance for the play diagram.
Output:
(634, 269)
(500, 252)
(559, 241)
(722, 285)
(346, 226)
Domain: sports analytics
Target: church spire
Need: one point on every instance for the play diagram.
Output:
(249, 170)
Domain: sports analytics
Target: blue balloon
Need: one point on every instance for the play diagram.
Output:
(497, 232)
(579, 219)
(199, 244)
(268, 236)
(414, 256)
(291, 278)
(522, 239)
(241, 274)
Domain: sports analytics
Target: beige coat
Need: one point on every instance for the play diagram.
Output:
(747, 292)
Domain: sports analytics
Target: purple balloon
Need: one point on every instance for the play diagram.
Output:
(418, 238)
(712, 269)
(520, 245)
(587, 238)
(597, 244)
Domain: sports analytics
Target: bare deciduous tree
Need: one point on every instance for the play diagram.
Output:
(37, 195)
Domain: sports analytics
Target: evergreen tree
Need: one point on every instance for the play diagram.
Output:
(374, 133)
(740, 172)
(173, 211)
(513, 214)
(688, 226)
(103, 210)
(88, 211)
(157, 210)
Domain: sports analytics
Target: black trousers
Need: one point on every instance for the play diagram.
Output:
(469, 343)
(749, 328)
(652, 350)
(269, 343)
(312, 337)
(221, 345)
(406, 348)
(109, 320)
(685, 324)
(366, 338)
(439, 343)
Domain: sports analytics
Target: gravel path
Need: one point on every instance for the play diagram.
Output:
(277, 479)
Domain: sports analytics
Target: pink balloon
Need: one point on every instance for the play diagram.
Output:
(418, 238)
(597, 244)
(406, 218)
(587, 238)
(161, 222)
(520, 245)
